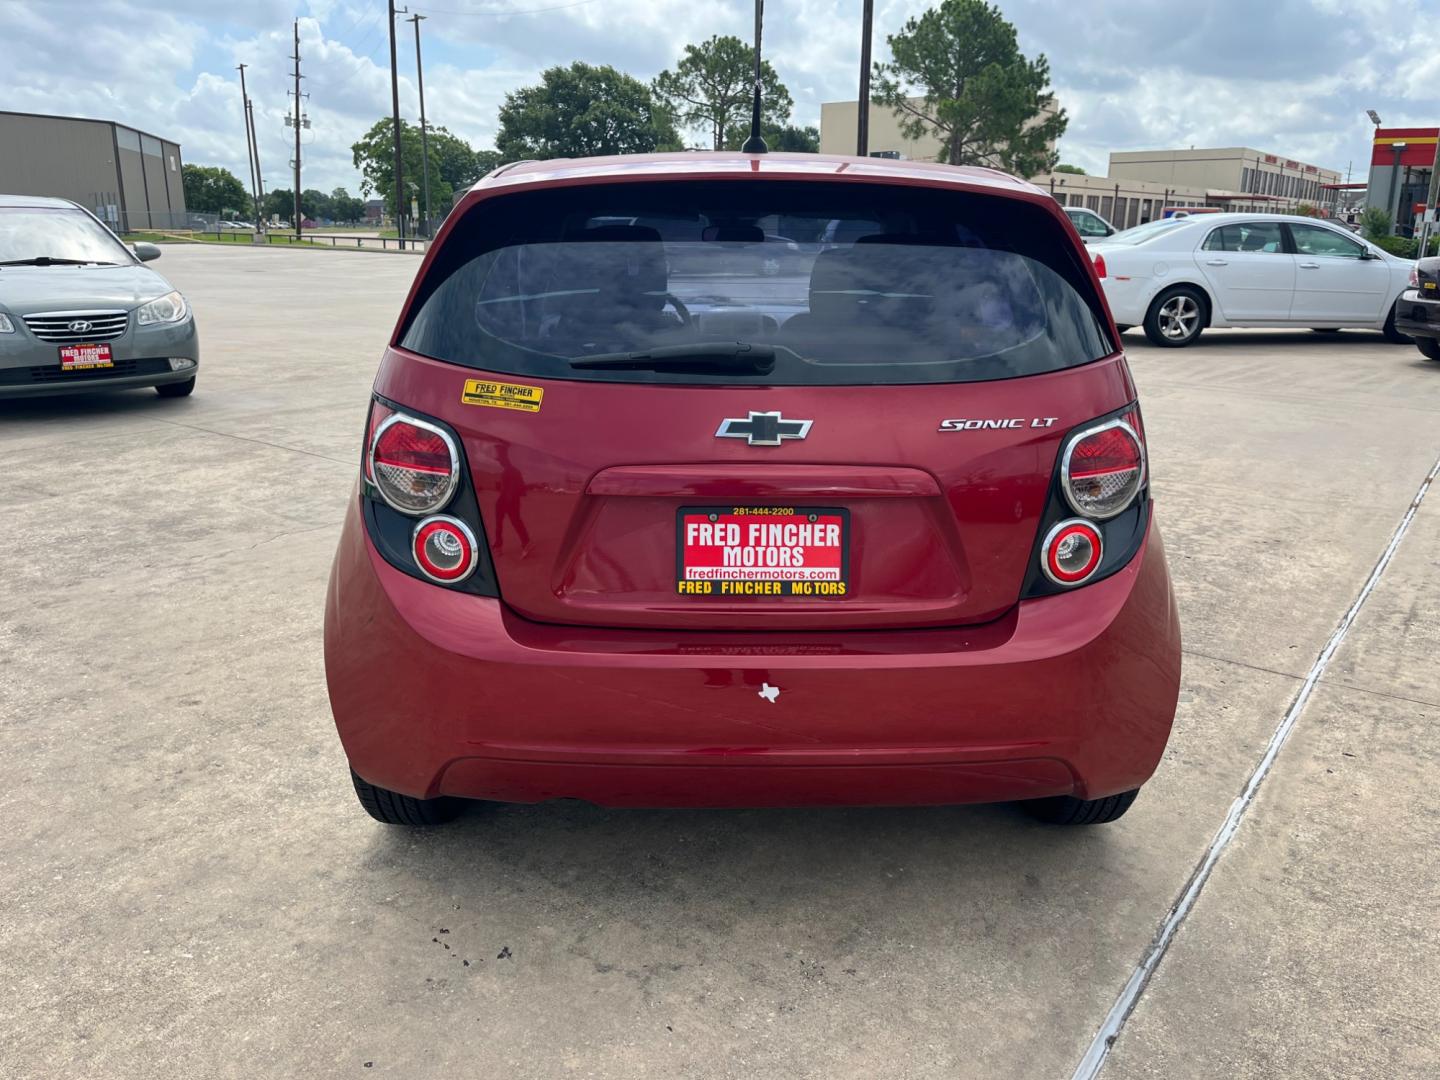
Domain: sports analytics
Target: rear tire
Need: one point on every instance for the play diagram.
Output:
(1177, 317)
(1429, 347)
(177, 389)
(1068, 810)
(392, 808)
(1392, 335)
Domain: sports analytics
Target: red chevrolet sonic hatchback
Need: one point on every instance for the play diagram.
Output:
(742, 480)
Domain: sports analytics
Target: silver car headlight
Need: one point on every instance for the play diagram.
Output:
(6, 326)
(170, 308)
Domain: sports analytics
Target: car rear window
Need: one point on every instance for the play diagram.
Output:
(846, 283)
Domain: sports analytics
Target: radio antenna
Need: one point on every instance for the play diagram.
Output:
(755, 144)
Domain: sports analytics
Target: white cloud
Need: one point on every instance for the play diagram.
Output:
(1290, 76)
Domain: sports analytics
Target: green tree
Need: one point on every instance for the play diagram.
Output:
(788, 139)
(984, 101)
(455, 161)
(713, 86)
(580, 111)
(280, 204)
(315, 204)
(374, 156)
(345, 208)
(1073, 170)
(1375, 223)
(210, 189)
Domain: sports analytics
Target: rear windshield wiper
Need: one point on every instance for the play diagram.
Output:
(718, 356)
(52, 260)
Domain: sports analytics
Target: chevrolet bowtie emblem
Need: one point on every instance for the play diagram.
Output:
(763, 429)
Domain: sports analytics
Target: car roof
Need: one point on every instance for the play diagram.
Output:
(35, 201)
(720, 164)
(1228, 216)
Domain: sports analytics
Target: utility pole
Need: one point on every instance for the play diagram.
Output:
(395, 111)
(298, 121)
(424, 135)
(259, 176)
(249, 141)
(862, 133)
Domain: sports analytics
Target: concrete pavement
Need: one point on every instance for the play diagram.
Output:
(191, 890)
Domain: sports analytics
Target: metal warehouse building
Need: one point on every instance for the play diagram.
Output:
(130, 178)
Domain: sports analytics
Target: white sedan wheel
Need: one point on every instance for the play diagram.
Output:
(1179, 317)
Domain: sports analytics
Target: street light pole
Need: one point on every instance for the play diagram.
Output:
(395, 112)
(424, 135)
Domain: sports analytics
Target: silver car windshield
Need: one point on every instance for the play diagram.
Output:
(1141, 234)
(56, 234)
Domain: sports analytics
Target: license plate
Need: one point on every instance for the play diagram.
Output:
(761, 551)
(85, 357)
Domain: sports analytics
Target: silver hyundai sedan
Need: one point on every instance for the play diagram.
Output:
(78, 311)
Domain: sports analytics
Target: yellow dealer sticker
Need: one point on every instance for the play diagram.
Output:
(501, 395)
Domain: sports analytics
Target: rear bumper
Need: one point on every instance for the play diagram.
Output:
(1417, 317)
(441, 693)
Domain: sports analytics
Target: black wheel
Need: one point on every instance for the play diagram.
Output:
(177, 389)
(395, 809)
(1429, 347)
(1176, 318)
(1392, 335)
(1068, 810)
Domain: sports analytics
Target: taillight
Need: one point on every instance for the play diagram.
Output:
(1071, 553)
(413, 464)
(1102, 468)
(1415, 276)
(444, 549)
(1099, 265)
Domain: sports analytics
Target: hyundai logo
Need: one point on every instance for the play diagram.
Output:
(81, 326)
(763, 429)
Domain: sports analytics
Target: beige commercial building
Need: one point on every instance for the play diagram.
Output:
(1239, 170)
(1142, 184)
(839, 121)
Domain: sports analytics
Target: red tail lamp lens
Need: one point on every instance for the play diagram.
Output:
(1100, 266)
(1103, 469)
(414, 465)
(444, 549)
(1071, 553)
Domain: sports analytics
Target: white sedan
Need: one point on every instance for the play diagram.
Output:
(1178, 276)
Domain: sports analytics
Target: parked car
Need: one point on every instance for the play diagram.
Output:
(1090, 225)
(1177, 276)
(79, 311)
(879, 533)
(1418, 313)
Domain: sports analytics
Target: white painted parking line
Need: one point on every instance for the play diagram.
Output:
(1094, 1059)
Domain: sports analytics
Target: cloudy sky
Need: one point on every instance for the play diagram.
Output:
(1289, 76)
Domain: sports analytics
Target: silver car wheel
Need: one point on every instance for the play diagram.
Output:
(1179, 317)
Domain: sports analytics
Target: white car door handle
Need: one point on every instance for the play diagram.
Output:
(1309, 266)
(1217, 262)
